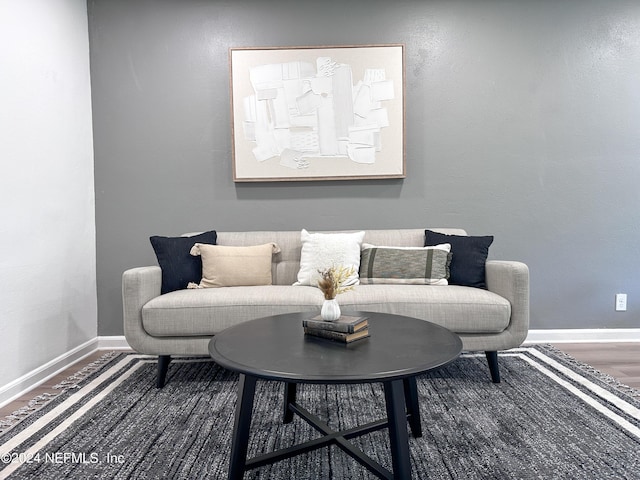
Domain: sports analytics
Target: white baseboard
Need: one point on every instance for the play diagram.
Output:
(568, 335)
(22, 385)
(579, 335)
(113, 343)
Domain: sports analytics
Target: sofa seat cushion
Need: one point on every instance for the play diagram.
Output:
(205, 312)
(209, 311)
(460, 309)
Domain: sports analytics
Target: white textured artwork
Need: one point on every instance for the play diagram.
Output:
(301, 111)
(318, 113)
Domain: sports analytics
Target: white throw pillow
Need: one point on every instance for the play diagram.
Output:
(321, 251)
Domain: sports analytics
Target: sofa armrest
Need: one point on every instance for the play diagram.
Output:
(139, 285)
(510, 280)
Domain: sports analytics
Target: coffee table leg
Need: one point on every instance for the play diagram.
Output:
(413, 407)
(398, 436)
(242, 422)
(289, 397)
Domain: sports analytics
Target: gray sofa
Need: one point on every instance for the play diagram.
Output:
(182, 322)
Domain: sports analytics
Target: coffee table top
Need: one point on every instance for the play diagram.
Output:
(276, 348)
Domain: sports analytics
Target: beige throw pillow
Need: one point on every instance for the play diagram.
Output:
(226, 266)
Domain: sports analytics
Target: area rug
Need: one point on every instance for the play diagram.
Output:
(550, 418)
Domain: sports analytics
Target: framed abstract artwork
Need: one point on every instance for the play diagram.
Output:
(317, 113)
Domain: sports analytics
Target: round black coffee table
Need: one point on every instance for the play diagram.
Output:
(276, 348)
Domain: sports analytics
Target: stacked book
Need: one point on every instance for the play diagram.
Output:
(346, 329)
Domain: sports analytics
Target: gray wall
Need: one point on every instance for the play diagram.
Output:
(521, 121)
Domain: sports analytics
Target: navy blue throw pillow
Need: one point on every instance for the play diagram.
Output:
(178, 266)
(468, 256)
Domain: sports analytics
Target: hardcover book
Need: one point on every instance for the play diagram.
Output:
(337, 336)
(345, 324)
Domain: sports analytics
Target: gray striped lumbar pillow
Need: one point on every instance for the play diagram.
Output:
(405, 265)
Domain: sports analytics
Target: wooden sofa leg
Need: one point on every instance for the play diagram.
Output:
(492, 360)
(163, 366)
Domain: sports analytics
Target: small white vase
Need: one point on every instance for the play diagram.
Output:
(330, 311)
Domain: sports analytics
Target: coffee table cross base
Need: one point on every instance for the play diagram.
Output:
(401, 399)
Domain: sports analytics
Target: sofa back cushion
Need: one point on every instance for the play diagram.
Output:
(286, 264)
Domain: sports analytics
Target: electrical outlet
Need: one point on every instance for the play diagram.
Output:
(621, 302)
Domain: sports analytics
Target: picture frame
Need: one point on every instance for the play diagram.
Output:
(317, 113)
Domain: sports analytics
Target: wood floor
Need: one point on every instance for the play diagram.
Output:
(620, 360)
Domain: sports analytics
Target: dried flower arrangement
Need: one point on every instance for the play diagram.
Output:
(332, 281)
